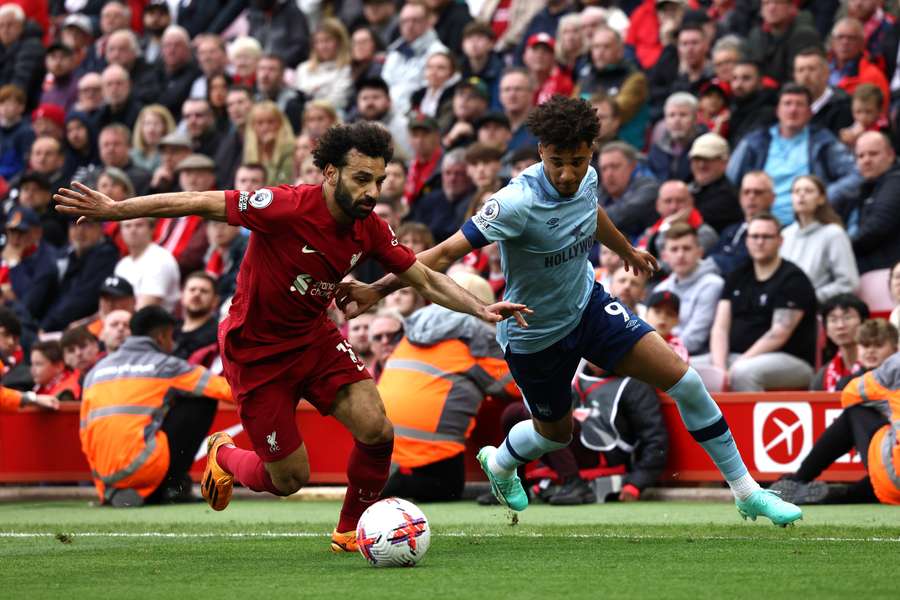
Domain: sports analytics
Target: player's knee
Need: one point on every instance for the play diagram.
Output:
(559, 432)
(290, 482)
(377, 431)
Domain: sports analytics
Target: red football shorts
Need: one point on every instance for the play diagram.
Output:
(315, 374)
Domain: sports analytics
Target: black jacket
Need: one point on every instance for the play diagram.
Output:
(282, 30)
(836, 114)
(718, 203)
(146, 81)
(22, 64)
(77, 295)
(176, 87)
(212, 16)
(126, 115)
(876, 243)
(751, 112)
(627, 427)
(775, 53)
(450, 24)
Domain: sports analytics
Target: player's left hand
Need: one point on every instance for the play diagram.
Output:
(640, 261)
(498, 311)
(355, 298)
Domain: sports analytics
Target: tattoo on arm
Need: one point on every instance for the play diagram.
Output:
(784, 322)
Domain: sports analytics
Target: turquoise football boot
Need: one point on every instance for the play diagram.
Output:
(766, 503)
(509, 492)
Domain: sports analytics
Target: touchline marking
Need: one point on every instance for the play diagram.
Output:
(452, 534)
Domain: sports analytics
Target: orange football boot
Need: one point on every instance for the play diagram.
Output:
(217, 484)
(344, 542)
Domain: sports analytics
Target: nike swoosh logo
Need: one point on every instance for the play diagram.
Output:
(308, 250)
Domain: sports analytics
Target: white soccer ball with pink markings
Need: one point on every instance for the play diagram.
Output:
(393, 533)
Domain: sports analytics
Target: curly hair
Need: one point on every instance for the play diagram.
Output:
(367, 138)
(564, 123)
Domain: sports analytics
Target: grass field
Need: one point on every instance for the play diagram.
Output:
(278, 549)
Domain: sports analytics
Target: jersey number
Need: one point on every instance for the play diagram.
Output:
(614, 308)
(346, 347)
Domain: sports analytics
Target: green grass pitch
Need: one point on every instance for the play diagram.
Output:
(278, 549)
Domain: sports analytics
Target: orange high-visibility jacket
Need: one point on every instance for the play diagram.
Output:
(433, 384)
(126, 397)
(10, 399)
(880, 389)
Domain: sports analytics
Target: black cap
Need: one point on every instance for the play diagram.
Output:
(493, 117)
(158, 5)
(59, 46)
(151, 318)
(657, 298)
(35, 177)
(116, 286)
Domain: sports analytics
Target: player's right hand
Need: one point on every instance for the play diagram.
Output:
(354, 298)
(85, 203)
(498, 311)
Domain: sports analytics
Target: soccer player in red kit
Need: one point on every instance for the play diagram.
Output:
(277, 343)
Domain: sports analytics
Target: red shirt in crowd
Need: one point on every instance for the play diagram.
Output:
(295, 259)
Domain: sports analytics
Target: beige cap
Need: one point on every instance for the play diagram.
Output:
(196, 161)
(176, 139)
(475, 285)
(709, 145)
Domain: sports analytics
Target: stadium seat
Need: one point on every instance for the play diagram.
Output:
(873, 290)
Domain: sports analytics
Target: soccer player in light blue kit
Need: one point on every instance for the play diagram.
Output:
(545, 222)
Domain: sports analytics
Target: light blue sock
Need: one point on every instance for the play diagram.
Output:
(704, 421)
(521, 446)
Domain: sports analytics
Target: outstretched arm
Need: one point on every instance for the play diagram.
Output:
(636, 260)
(442, 290)
(438, 258)
(91, 205)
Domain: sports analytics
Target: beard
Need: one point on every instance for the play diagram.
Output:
(352, 209)
(198, 312)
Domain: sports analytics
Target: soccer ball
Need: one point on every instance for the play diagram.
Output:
(393, 533)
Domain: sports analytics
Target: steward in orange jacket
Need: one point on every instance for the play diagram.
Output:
(880, 389)
(144, 414)
(432, 387)
(870, 423)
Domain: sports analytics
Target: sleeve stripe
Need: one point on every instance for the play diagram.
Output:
(474, 235)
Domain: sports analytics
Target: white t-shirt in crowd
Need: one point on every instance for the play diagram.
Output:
(154, 273)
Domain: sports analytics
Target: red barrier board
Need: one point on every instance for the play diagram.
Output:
(774, 432)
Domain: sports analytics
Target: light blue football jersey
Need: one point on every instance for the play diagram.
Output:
(544, 241)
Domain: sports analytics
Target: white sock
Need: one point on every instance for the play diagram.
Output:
(497, 469)
(743, 486)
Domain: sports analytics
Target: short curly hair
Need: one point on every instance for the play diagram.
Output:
(367, 138)
(564, 123)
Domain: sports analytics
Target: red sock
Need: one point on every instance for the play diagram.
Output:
(367, 472)
(247, 468)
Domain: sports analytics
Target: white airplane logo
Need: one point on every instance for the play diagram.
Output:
(786, 435)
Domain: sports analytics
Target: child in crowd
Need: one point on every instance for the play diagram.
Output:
(875, 340)
(662, 315)
(868, 113)
(713, 111)
(50, 373)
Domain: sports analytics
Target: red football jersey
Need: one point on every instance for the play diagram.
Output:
(296, 257)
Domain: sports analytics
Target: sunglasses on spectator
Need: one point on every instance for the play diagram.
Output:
(388, 336)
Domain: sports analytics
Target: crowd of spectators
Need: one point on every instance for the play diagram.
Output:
(749, 144)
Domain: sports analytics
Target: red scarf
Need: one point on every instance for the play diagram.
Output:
(836, 370)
